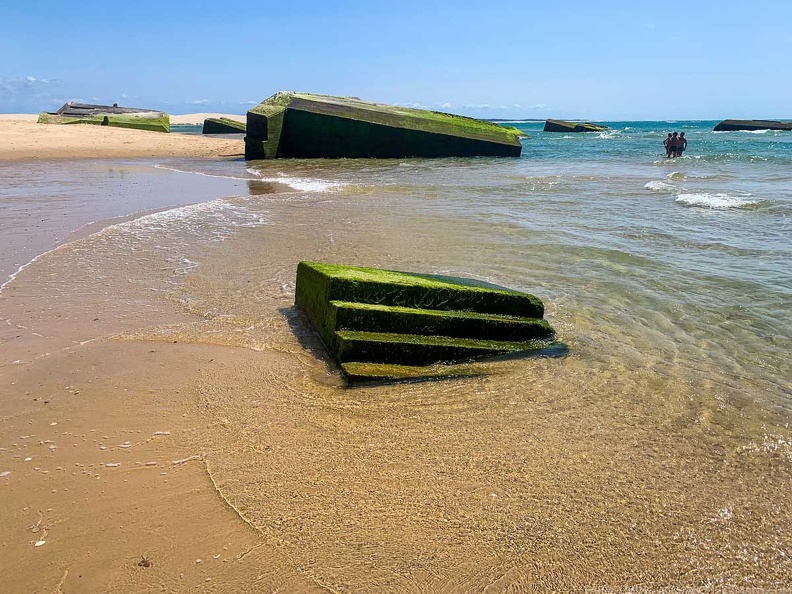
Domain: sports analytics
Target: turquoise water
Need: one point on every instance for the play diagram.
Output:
(679, 267)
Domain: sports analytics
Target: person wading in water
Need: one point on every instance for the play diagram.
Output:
(674, 144)
(681, 144)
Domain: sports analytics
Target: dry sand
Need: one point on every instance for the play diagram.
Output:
(21, 138)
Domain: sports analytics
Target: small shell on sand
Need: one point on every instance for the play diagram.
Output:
(40, 543)
(113, 464)
(5, 473)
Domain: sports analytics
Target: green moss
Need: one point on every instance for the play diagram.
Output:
(368, 315)
(153, 121)
(367, 372)
(564, 126)
(325, 126)
(411, 349)
(461, 324)
(222, 126)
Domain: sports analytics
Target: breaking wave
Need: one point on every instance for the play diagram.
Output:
(716, 200)
(660, 186)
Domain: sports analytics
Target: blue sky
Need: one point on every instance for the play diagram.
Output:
(518, 59)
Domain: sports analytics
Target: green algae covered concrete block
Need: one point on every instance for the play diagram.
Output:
(113, 116)
(222, 126)
(401, 321)
(734, 125)
(305, 125)
(563, 126)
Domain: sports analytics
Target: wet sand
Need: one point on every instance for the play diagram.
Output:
(201, 442)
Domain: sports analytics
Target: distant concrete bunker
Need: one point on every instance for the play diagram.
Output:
(108, 115)
(304, 125)
(389, 325)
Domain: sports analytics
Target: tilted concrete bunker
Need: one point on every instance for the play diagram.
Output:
(222, 126)
(108, 115)
(305, 125)
(564, 126)
(383, 324)
(751, 125)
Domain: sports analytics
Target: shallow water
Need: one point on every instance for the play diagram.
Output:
(663, 432)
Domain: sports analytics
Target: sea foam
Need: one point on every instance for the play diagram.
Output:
(715, 200)
(660, 186)
(303, 184)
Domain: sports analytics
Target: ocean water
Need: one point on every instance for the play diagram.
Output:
(683, 261)
(664, 431)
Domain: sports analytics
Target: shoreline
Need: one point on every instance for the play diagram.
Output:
(148, 186)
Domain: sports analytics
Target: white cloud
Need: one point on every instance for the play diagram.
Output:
(124, 95)
(446, 105)
(249, 102)
(476, 106)
(198, 102)
(26, 94)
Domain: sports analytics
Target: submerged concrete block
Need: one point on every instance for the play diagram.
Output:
(305, 125)
(108, 115)
(379, 324)
(563, 126)
(222, 126)
(734, 125)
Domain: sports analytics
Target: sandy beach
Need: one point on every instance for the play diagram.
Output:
(169, 423)
(22, 139)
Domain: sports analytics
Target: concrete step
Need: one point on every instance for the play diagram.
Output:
(429, 322)
(412, 349)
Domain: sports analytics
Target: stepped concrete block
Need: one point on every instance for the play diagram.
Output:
(369, 316)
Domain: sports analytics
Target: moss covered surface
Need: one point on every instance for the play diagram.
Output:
(324, 126)
(222, 126)
(411, 349)
(153, 121)
(367, 372)
(429, 322)
(368, 315)
(735, 125)
(564, 126)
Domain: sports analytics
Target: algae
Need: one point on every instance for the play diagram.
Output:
(153, 122)
(386, 317)
(305, 125)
